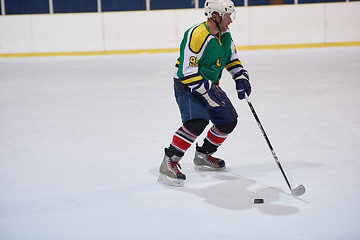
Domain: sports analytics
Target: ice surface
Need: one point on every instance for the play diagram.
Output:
(81, 140)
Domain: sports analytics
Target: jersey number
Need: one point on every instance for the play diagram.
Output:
(193, 61)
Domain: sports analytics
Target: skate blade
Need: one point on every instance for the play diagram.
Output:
(170, 181)
(207, 168)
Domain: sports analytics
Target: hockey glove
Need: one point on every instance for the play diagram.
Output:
(242, 84)
(211, 94)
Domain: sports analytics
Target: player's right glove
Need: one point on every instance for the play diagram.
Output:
(242, 84)
(211, 94)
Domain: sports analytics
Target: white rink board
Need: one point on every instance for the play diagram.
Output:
(139, 30)
(15, 34)
(287, 24)
(339, 17)
(111, 31)
(67, 32)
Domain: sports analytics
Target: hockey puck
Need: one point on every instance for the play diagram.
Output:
(258, 200)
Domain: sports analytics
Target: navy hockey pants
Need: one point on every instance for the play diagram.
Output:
(193, 108)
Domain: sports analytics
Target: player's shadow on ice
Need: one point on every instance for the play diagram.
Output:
(235, 193)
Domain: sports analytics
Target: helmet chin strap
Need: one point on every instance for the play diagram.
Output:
(217, 23)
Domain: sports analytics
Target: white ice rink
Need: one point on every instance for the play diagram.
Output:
(81, 140)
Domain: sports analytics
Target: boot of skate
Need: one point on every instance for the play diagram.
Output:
(170, 173)
(206, 162)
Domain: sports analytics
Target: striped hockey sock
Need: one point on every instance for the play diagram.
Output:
(183, 139)
(213, 140)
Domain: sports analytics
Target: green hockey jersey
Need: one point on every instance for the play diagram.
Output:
(204, 56)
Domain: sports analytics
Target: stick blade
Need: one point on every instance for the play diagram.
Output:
(298, 191)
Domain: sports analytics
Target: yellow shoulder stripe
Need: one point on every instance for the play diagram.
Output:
(198, 38)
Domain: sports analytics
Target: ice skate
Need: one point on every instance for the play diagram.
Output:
(170, 173)
(206, 162)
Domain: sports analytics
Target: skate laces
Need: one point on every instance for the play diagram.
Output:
(212, 160)
(175, 165)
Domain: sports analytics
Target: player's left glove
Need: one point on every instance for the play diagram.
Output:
(242, 84)
(211, 94)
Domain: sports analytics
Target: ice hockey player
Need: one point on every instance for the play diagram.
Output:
(206, 49)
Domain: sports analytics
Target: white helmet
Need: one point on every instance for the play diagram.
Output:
(219, 6)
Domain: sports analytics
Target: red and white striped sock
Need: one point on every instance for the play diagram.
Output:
(183, 139)
(215, 136)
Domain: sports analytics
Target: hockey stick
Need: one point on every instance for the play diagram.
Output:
(299, 190)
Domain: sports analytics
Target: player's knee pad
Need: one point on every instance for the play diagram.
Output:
(228, 127)
(196, 126)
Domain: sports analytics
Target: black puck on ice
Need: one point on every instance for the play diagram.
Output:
(258, 200)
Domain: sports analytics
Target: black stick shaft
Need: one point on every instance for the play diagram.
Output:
(267, 140)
